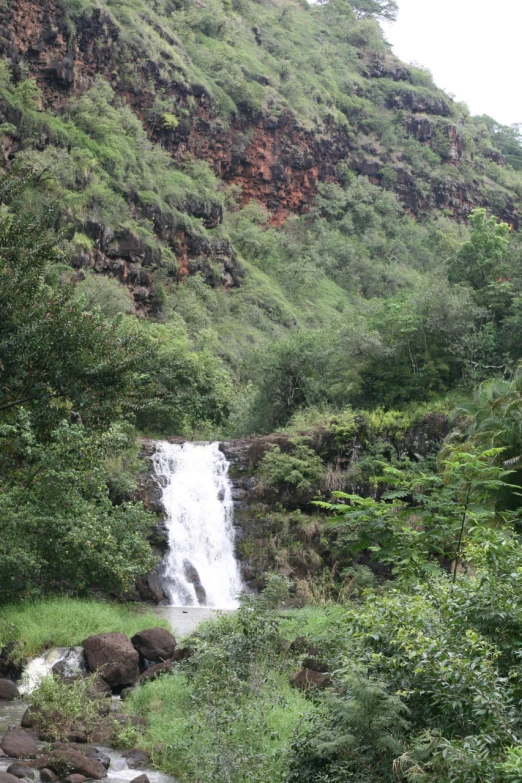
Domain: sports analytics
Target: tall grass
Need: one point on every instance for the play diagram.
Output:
(61, 622)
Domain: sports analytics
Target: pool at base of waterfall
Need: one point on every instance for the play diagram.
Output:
(185, 619)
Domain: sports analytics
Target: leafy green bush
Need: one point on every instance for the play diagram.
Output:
(300, 468)
(64, 706)
(229, 712)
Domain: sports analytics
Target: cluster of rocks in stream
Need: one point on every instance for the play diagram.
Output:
(116, 665)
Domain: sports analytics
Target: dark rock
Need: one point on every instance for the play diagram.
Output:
(8, 690)
(86, 750)
(154, 644)
(126, 692)
(153, 672)
(20, 770)
(138, 759)
(5, 777)
(114, 657)
(74, 778)
(73, 761)
(48, 776)
(150, 587)
(17, 744)
(301, 645)
(40, 762)
(192, 576)
(78, 736)
(140, 779)
(99, 688)
(316, 664)
(29, 718)
(307, 680)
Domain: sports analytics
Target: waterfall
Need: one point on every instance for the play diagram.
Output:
(65, 661)
(200, 567)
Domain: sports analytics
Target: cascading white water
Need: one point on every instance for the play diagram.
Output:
(70, 660)
(200, 567)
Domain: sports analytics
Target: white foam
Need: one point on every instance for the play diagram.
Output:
(200, 568)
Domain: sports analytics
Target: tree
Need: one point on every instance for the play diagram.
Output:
(381, 9)
(60, 531)
(55, 356)
(428, 517)
(481, 261)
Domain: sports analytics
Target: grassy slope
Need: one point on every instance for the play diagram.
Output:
(62, 622)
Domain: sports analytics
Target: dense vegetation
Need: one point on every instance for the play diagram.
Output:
(365, 304)
(140, 294)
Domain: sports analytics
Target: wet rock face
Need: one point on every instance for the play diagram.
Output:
(149, 587)
(114, 657)
(138, 759)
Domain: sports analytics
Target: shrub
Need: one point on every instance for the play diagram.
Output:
(301, 469)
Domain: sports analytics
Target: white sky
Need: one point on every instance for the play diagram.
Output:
(472, 48)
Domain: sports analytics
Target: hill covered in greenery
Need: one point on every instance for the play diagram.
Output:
(279, 196)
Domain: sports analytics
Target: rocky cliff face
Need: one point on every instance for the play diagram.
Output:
(263, 510)
(269, 153)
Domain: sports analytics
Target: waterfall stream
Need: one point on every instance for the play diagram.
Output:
(200, 568)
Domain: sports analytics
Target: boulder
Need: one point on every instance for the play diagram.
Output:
(8, 690)
(6, 777)
(150, 587)
(77, 735)
(153, 672)
(73, 761)
(307, 680)
(114, 657)
(40, 762)
(99, 688)
(140, 779)
(87, 750)
(48, 776)
(137, 759)
(126, 692)
(20, 770)
(74, 778)
(154, 644)
(29, 718)
(17, 744)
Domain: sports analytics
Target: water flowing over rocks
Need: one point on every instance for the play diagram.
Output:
(63, 661)
(200, 567)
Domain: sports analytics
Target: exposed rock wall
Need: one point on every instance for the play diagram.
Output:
(273, 158)
(259, 506)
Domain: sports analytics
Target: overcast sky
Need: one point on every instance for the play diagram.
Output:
(472, 48)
